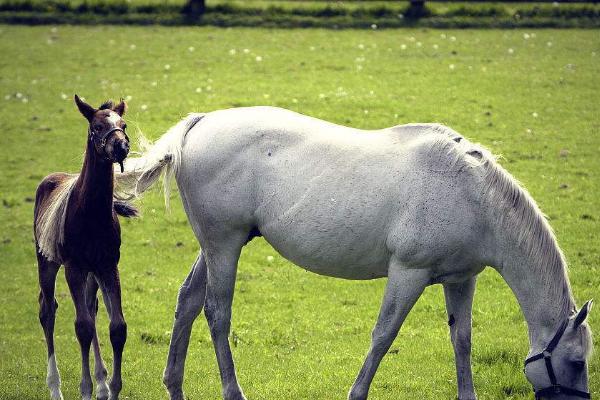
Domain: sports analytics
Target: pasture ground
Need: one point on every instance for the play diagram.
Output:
(529, 95)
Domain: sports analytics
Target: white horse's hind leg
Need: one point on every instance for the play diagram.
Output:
(222, 268)
(189, 304)
(459, 301)
(403, 288)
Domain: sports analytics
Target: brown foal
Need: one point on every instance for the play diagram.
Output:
(76, 225)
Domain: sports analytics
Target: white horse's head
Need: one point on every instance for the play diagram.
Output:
(560, 370)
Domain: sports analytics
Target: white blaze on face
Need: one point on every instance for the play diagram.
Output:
(113, 118)
(53, 379)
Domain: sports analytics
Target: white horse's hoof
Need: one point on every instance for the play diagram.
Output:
(56, 394)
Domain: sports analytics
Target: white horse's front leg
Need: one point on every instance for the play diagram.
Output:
(189, 304)
(459, 301)
(403, 288)
(217, 308)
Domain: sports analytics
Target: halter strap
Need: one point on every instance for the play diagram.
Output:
(546, 355)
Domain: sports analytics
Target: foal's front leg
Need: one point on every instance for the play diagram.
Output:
(84, 326)
(111, 293)
(403, 288)
(100, 373)
(459, 301)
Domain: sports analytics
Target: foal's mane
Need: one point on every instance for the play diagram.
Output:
(514, 209)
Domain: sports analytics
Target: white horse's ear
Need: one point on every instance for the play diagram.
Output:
(583, 313)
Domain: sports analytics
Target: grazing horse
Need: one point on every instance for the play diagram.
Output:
(418, 204)
(76, 225)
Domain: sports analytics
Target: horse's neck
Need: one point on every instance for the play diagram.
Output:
(544, 294)
(95, 184)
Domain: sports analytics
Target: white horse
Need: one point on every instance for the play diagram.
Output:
(418, 204)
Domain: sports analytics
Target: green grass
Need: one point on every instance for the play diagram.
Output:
(296, 335)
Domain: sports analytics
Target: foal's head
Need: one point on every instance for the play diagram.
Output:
(107, 129)
(566, 359)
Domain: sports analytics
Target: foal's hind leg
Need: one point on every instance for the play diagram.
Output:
(84, 326)
(189, 304)
(459, 301)
(403, 288)
(222, 266)
(47, 275)
(111, 293)
(100, 373)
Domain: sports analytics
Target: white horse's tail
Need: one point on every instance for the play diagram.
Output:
(163, 155)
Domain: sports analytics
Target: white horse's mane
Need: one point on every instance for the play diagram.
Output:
(517, 213)
(49, 229)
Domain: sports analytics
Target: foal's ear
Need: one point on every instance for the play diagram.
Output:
(121, 108)
(85, 109)
(583, 313)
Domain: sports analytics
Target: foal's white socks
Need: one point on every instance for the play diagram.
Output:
(53, 379)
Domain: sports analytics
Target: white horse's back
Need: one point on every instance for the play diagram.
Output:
(335, 200)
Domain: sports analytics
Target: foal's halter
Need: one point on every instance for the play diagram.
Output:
(546, 355)
(104, 135)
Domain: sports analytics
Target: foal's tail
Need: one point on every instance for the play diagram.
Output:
(165, 154)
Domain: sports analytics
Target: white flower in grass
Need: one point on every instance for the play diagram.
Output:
(534, 114)
(198, 90)
(549, 44)
(510, 51)
(266, 95)
(232, 52)
(132, 46)
(18, 95)
(167, 67)
(451, 66)
(435, 46)
(294, 101)
(64, 96)
(593, 54)
(361, 46)
(419, 44)
(312, 48)
(359, 67)
(372, 93)
(258, 58)
(270, 258)
(128, 98)
(246, 51)
(443, 36)
(54, 30)
(111, 41)
(373, 26)
(403, 47)
(412, 38)
(321, 95)
(208, 88)
(400, 16)
(34, 82)
(366, 111)
(144, 107)
(191, 48)
(528, 130)
(154, 83)
(453, 38)
(526, 36)
(24, 100)
(7, 97)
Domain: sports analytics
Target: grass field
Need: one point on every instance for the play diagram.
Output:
(531, 96)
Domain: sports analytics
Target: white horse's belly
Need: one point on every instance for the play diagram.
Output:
(333, 200)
